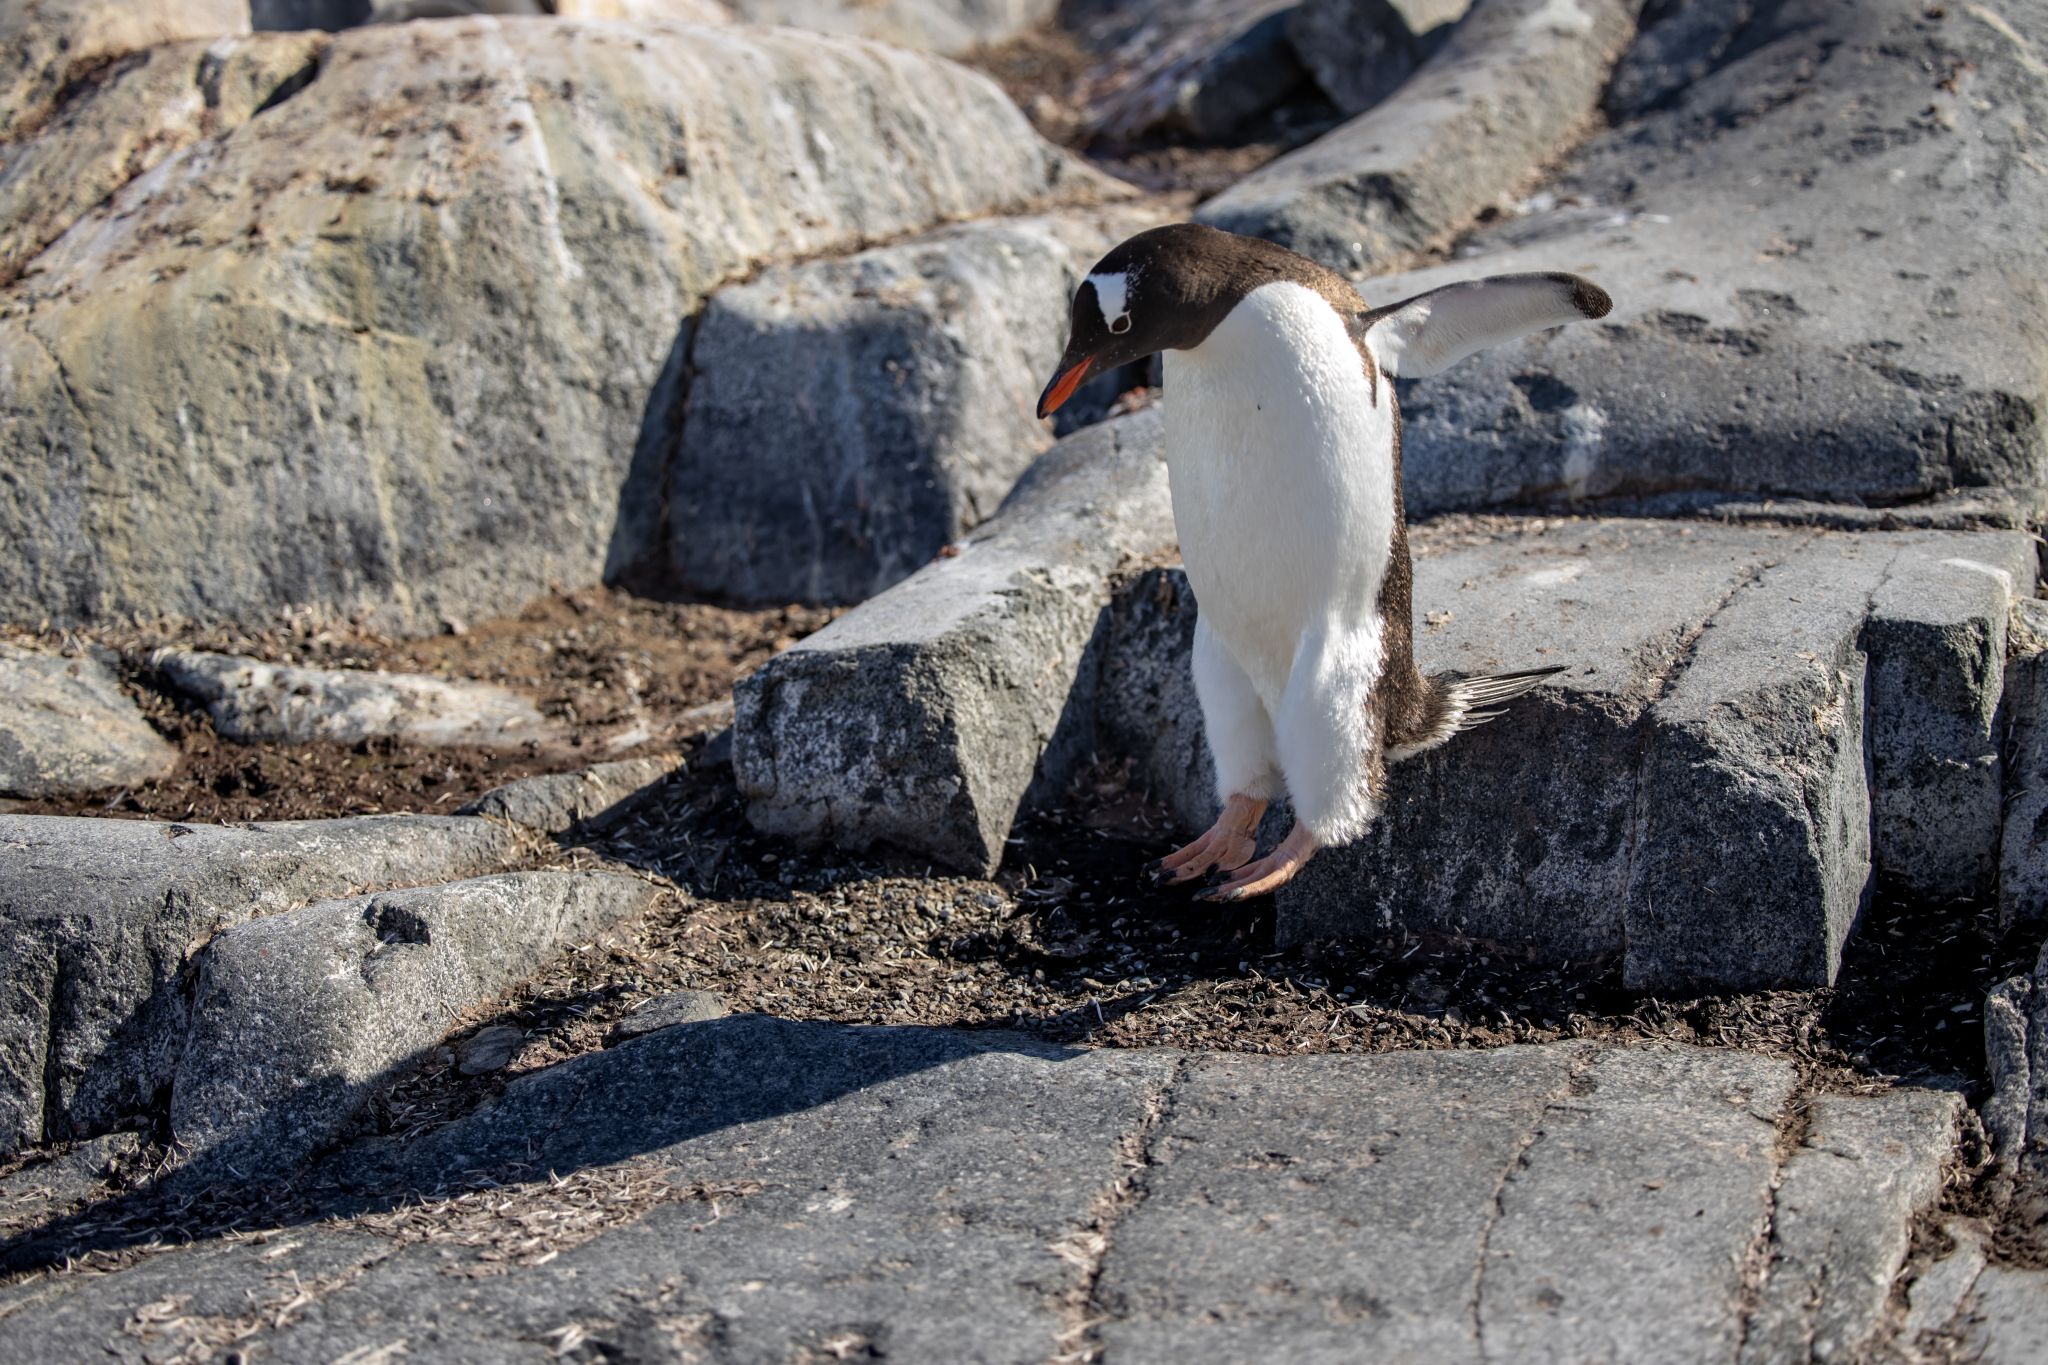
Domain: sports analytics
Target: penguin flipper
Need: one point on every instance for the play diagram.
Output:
(1456, 704)
(1431, 332)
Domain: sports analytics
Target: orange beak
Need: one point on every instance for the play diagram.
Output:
(1063, 386)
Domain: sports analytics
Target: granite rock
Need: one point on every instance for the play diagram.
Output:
(66, 726)
(48, 47)
(296, 1016)
(1359, 51)
(100, 920)
(1506, 93)
(666, 1011)
(559, 802)
(922, 718)
(849, 418)
(407, 372)
(2023, 848)
(1810, 302)
(252, 701)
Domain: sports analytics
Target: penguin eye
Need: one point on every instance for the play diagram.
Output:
(1122, 324)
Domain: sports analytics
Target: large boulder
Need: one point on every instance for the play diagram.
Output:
(1509, 90)
(848, 418)
(100, 920)
(1827, 261)
(392, 341)
(49, 48)
(66, 726)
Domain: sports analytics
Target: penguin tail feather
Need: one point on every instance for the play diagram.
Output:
(1457, 703)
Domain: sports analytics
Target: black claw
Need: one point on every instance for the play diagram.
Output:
(1152, 867)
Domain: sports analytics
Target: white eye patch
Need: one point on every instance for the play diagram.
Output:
(1112, 296)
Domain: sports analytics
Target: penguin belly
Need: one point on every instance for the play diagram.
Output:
(1280, 457)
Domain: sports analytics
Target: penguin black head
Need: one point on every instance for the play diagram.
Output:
(1165, 290)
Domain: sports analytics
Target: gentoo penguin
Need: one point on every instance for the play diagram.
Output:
(1283, 448)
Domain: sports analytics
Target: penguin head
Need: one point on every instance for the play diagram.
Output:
(1164, 290)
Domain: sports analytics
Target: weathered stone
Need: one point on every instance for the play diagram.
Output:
(74, 1175)
(99, 919)
(666, 1011)
(2006, 1319)
(1681, 42)
(50, 47)
(1506, 92)
(2008, 1018)
(952, 27)
(66, 726)
(921, 718)
(490, 1049)
(558, 802)
(1656, 1172)
(1691, 793)
(647, 11)
(408, 371)
(1843, 1222)
(2023, 848)
(1809, 301)
(250, 701)
(1359, 51)
(306, 14)
(1185, 65)
(154, 103)
(295, 1016)
(1936, 1295)
(849, 418)
(1937, 640)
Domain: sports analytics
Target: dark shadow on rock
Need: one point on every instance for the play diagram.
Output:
(640, 558)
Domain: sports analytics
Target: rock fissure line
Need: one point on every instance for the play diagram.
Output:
(1088, 1247)
(1793, 1121)
(1519, 1161)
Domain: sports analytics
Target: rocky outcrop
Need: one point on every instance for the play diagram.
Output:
(922, 718)
(251, 701)
(556, 803)
(294, 1017)
(100, 920)
(1809, 301)
(66, 726)
(1512, 86)
(849, 418)
(392, 341)
(50, 49)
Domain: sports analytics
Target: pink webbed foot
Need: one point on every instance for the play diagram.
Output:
(1227, 846)
(1271, 872)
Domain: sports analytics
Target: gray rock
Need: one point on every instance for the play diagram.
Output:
(66, 726)
(558, 802)
(1656, 1171)
(1200, 66)
(67, 1179)
(46, 48)
(922, 718)
(1937, 1293)
(490, 1049)
(100, 919)
(2008, 1021)
(305, 14)
(1505, 93)
(1359, 51)
(1937, 642)
(1680, 42)
(849, 418)
(296, 1016)
(1804, 307)
(638, 169)
(1252, 73)
(666, 1011)
(2023, 850)
(1843, 1222)
(952, 27)
(2006, 1320)
(251, 701)
(1691, 794)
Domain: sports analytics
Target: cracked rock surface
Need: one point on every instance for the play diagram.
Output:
(753, 1189)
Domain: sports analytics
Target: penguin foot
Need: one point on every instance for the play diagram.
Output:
(1228, 845)
(1271, 872)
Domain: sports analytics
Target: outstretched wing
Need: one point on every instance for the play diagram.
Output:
(1432, 332)
(1459, 704)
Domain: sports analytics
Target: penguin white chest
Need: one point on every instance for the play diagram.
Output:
(1280, 452)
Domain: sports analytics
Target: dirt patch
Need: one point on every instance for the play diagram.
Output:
(620, 676)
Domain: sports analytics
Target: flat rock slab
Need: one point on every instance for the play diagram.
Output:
(296, 1016)
(1824, 263)
(66, 726)
(1691, 794)
(922, 1195)
(251, 701)
(100, 918)
(556, 803)
(2005, 1321)
(922, 718)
